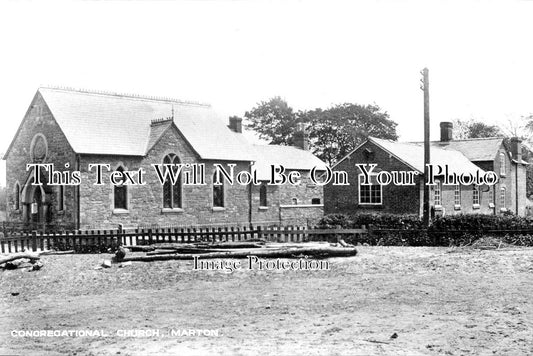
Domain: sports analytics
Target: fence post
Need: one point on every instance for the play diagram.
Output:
(34, 241)
(120, 235)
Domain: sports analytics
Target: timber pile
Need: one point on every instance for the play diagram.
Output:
(244, 249)
(16, 260)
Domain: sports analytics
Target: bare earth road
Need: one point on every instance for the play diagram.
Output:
(467, 302)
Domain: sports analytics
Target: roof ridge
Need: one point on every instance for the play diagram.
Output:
(124, 95)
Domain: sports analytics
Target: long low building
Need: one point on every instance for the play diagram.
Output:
(461, 156)
(72, 129)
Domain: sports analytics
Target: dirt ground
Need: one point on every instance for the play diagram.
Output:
(437, 302)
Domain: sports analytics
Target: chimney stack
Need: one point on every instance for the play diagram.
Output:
(235, 124)
(516, 148)
(301, 138)
(446, 131)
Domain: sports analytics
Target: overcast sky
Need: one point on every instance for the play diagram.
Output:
(234, 54)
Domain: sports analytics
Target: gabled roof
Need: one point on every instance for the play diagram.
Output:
(115, 124)
(476, 149)
(412, 154)
(291, 158)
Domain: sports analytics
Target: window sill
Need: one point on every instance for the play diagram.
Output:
(503, 210)
(457, 207)
(263, 208)
(438, 207)
(218, 208)
(503, 175)
(303, 206)
(171, 211)
(476, 206)
(120, 211)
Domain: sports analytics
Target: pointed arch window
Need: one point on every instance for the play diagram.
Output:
(16, 197)
(263, 201)
(172, 192)
(502, 164)
(61, 198)
(218, 193)
(121, 192)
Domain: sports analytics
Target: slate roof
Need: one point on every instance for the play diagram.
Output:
(476, 149)
(413, 155)
(101, 123)
(116, 124)
(287, 156)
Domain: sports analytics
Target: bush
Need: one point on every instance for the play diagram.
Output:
(452, 230)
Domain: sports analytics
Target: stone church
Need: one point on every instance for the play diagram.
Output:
(72, 129)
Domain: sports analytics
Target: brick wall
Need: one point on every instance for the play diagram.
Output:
(396, 199)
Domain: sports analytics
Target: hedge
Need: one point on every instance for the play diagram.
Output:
(453, 230)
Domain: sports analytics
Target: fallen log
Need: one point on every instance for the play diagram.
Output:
(201, 250)
(321, 252)
(52, 252)
(16, 256)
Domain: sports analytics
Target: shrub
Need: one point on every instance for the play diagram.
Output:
(452, 230)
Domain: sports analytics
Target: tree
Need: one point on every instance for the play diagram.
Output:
(464, 129)
(333, 132)
(274, 121)
(336, 131)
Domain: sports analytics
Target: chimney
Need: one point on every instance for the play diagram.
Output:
(235, 124)
(301, 138)
(516, 148)
(446, 131)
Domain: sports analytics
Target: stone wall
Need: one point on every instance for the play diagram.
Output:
(39, 125)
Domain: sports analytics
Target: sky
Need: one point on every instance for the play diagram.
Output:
(235, 54)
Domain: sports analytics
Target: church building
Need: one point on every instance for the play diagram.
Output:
(74, 129)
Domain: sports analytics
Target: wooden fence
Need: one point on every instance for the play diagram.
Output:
(102, 240)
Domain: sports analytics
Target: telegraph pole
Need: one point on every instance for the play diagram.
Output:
(425, 88)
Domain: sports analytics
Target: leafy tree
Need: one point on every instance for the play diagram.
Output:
(273, 120)
(463, 129)
(336, 131)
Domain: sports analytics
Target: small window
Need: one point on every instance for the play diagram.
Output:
(502, 164)
(263, 195)
(491, 197)
(315, 201)
(16, 197)
(437, 193)
(294, 201)
(121, 193)
(218, 193)
(61, 198)
(502, 198)
(475, 194)
(172, 192)
(457, 195)
(370, 194)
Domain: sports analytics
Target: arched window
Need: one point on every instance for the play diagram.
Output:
(60, 198)
(16, 197)
(218, 193)
(502, 198)
(121, 192)
(172, 192)
(263, 195)
(502, 164)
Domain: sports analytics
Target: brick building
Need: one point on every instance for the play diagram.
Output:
(462, 156)
(72, 129)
